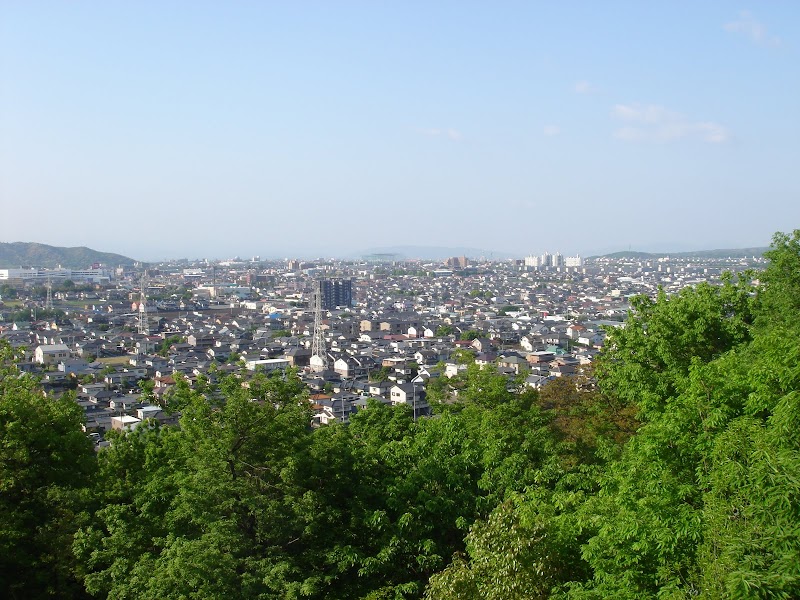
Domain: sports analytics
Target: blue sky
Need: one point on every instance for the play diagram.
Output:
(213, 129)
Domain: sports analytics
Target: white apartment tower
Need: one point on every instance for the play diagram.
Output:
(573, 261)
(553, 260)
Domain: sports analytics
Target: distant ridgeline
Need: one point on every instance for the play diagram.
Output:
(25, 254)
(730, 253)
(392, 253)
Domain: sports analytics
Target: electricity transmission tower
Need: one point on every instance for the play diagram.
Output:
(318, 348)
(48, 305)
(144, 325)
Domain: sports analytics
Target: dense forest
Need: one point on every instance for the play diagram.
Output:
(670, 471)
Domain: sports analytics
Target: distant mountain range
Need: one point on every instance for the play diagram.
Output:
(432, 253)
(15, 255)
(725, 253)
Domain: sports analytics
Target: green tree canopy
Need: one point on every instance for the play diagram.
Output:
(47, 462)
(701, 500)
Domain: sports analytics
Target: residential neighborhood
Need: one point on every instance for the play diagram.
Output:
(352, 331)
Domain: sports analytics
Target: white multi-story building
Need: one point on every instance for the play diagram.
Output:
(556, 260)
(55, 275)
(532, 261)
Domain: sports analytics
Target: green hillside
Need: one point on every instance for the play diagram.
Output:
(30, 254)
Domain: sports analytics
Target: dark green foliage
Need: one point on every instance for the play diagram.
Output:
(648, 360)
(42, 314)
(198, 512)
(244, 496)
(7, 292)
(166, 343)
(703, 500)
(435, 477)
(46, 465)
(471, 334)
(381, 374)
(444, 330)
(780, 298)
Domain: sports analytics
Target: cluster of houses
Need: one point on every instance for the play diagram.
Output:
(408, 323)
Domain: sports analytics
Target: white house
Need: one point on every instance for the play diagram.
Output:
(124, 423)
(267, 364)
(411, 394)
(453, 369)
(51, 354)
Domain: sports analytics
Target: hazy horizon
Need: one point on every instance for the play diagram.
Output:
(432, 253)
(325, 129)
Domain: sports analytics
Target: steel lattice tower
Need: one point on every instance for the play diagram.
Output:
(318, 341)
(49, 302)
(144, 325)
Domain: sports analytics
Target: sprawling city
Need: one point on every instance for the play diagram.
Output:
(352, 331)
(421, 300)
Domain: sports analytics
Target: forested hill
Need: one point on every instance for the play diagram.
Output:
(671, 471)
(14, 255)
(724, 253)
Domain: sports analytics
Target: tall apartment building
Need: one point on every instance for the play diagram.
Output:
(457, 262)
(532, 261)
(538, 262)
(336, 292)
(553, 260)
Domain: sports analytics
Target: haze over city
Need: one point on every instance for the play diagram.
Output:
(277, 129)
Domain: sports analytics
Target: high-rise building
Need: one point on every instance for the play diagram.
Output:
(336, 292)
(532, 261)
(556, 260)
(457, 262)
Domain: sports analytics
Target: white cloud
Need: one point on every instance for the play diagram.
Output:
(653, 123)
(551, 130)
(452, 134)
(584, 87)
(747, 26)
